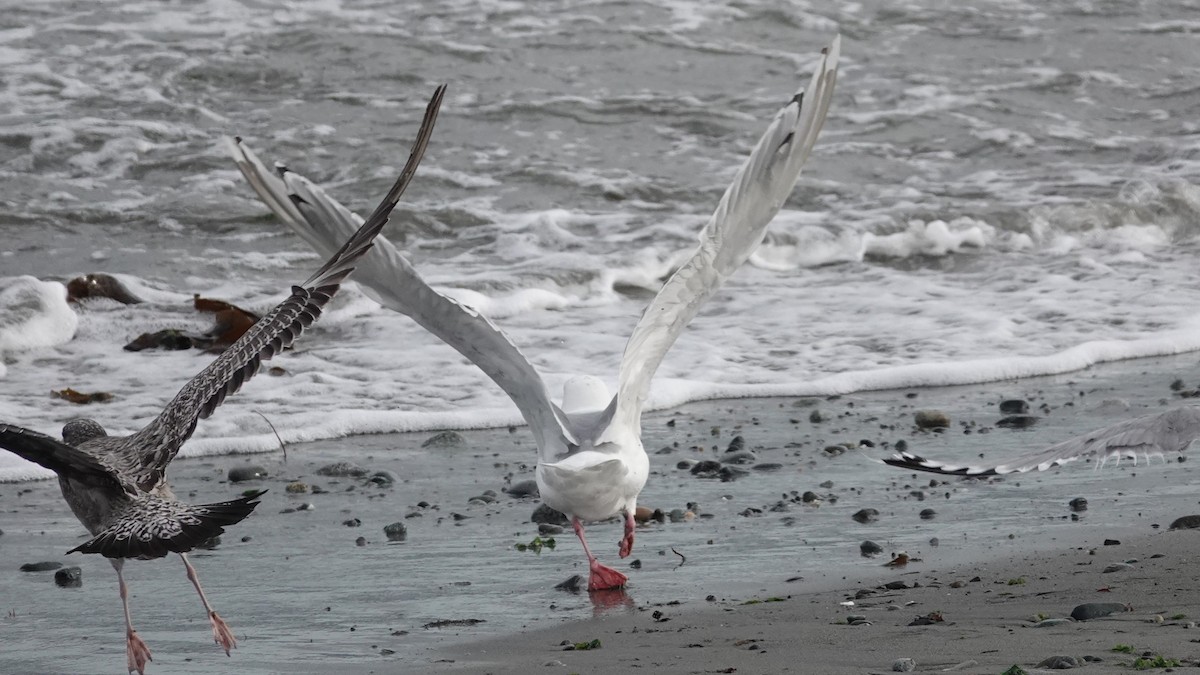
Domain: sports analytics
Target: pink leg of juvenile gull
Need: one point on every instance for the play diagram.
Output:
(136, 651)
(221, 633)
(627, 540)
(600, 577)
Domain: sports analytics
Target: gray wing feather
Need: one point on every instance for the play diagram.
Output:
(735, 230)
(159, 442)
(62, 459)
(389, 278)
(1147, 436)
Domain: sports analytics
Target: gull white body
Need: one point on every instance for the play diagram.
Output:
(591, 464)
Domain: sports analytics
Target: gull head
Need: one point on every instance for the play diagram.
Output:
(80, 430)
(584, 393)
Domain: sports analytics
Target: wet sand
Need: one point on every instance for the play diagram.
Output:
(304, 598)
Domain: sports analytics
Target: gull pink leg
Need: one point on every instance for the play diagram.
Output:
(221, 633)
(136, 651)
(600, 577)
(627, 540)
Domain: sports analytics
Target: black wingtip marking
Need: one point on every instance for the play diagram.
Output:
(798, 99)
(786, 139)
(918, 463)
(237, 139)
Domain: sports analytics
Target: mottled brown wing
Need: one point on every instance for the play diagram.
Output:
(62, 459)
(159, 442)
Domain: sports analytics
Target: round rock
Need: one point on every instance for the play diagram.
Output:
(904, 665)
(240, 474)
(866, 515)
(396, 532)
(931, 419)
(342, 470)
(545, 514)
(522, 489)
(1097, 610)
(41, 566)
(1186, 523)
(69, 577)
(869, 549)
(445, 439)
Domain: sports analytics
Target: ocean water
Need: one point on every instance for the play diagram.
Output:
(1000, 191)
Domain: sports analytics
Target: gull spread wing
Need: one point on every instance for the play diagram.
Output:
(1146, 436)
(149, 526)
(62, 459)
(386, 276)
(159, 441)
(736, 228)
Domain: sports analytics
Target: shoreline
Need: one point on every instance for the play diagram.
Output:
(987, 620)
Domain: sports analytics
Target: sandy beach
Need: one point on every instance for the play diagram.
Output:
(989, 613)
(305, 595)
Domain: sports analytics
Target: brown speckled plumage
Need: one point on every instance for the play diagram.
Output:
(116, 485)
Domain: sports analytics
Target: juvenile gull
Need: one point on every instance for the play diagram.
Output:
(1147, 436)
(591, 464)
(117, 486)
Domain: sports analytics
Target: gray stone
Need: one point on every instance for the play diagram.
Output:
(69, 577)
(1097, 610)
(742, 457)
(240, 474)
(545, 514)
(396, 531)
(1061, 662)
(1046, 623)
(904, 665)
(382, 478)
(1017, 422)
(1117, 567)
(766, 467)
(866, 515)
(738, 444)
(869, 549)
(40, 566)
(1186, 523)
(445, 439)
(1078, 504)
(928, 514)
(1014, 406)
(522, 489)
(707, 468)
(342, 470)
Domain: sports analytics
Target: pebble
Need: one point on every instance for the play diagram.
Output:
(353, 522)
(545, 514)
(40, 566)
(239, 474)
(707, 468)
(69, 577)
(1046, 623)
(767, 467)
(1186, 523)
(1112, 542)
(361, 541)
(928, 514)
(869, 548)
(934, 541)
(382, 478)
(396, 531)
(738, 444)
(296, 488)
(1017, 421)
(445, 439)
(866, 515)
(1097, 610)
(573, 584)
(523, 489)
(342, 470)
(1014, 406)
(1078, 504)
(1117, 567)
(728, 474)
(931, 419)
(742, 457)
(905, 665)
(809, 497)
(1061, 662)
(547, 528)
